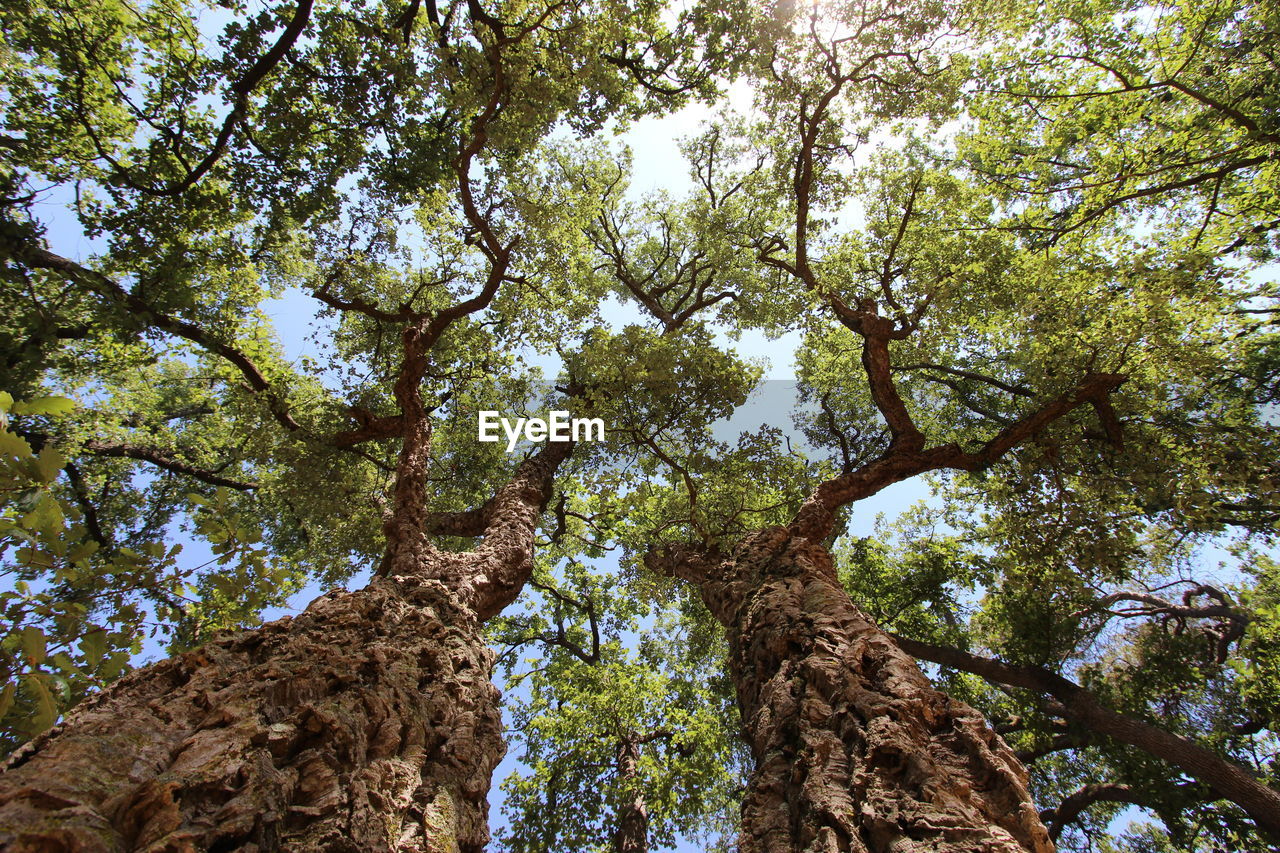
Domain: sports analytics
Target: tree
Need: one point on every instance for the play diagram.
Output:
(192, 219)
(626, 750)
(1108, 117)
(409, 169)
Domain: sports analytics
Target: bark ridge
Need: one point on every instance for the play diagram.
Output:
(367, 723)
(855, 750)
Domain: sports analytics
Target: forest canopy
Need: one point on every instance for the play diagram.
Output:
(1020, 255)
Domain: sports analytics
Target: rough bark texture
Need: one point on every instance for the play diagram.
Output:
(854, 749)
(632, 835)
(366, 723)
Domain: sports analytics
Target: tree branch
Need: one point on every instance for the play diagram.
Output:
(39, 258)
(1228, 779)
(164, 459)
(372, 427)
(816, 516)
(1019, 390)
(81, 493)
(241, 89)
(507, 549)
(1071, 807)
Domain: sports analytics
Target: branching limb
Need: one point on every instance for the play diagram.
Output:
(167, 460)
(817, 515)
(1122, 199)
(362, 306)
(1228, 779)
(507, 549)
(161, 458)
(372, 427)
(560, 638)
(241, 90)
(1153, 605)
(1075, 803)
(1018, 390)
(1230, 621)
(40, 258)
(81, 493)
(672, 297)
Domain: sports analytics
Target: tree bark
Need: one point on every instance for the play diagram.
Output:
(367, 723)
(632, 835)
(854, 749)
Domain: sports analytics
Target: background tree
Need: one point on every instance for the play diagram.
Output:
(625, 750)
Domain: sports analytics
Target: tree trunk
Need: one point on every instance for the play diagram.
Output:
(632, 835)
(854, 749)
(366, 723)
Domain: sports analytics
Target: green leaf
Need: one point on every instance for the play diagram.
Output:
(33, 644)
(82, 551)
(49, 464)
(46, 708)
(6, 696)
(45, 406)
(93, 646)
(12, 445)
(114, 665)
(224, 585)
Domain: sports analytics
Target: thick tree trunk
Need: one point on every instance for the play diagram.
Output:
(854, 749)
(632, 835)
(366, 723)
